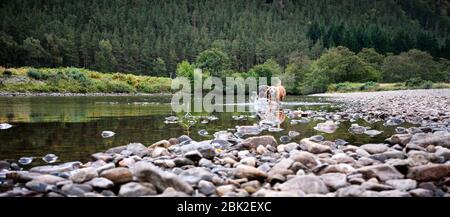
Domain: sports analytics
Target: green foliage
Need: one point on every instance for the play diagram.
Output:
(413, 64)
(75, 74)
(344, 87)
(185, 69)
(120, 87)
(105, 60)
(214, 61)
(75, 80)
(415, 82)
(151, 37)
(296, 71)
(372, 57)
(159, 67)
(369, 86)
(352, 87)
(427, 85)
(340, 64)
(34, 73)
(269, 69)
(335, 66)
(314, 82)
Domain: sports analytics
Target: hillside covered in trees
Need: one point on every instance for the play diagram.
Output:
(151, 37)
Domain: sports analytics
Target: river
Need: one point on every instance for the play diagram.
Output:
(70, 127)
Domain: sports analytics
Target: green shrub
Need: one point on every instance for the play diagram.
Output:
(75, 74)
(98, 86)
(369, 86)
(345, 87)
(7, 73)
(55, 78)
(34, 73)
(120, 87)
(313, 84)
(427, 85)
(414, 82)
(419, 83)
(145, 87)
(81, 81)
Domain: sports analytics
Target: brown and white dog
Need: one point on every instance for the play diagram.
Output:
(272, 93)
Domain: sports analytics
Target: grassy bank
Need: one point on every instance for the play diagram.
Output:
(373, 86)
(78, 80)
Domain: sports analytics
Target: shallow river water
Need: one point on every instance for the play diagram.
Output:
(70, 127)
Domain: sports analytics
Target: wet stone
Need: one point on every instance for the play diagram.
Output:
(326, 127)
(100, 182)
(194, 175)
(25, 160)
(374, 148)
(118, 175)
(102, 156)
(134, 189)
(249, 172)
(83, 175)
(317, 138)
(76, 189)
(285, 139)
(50, 158)
(162, 180)
(309, 184)
(65, 167)
(356, 129)
(206, 187)
(107, 134)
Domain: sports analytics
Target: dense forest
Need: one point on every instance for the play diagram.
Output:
(152, 37)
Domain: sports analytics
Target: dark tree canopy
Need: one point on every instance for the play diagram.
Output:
(152, 36)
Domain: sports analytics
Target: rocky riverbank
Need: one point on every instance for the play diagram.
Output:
(412, 163)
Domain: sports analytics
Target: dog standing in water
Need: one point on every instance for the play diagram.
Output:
(274, 94)
(271, 97)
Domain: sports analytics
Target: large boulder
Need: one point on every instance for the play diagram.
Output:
(401, 139)
(195, 174)
(334, 180)
(48, 179)
(100, 182)
(309, 184)
(429, 172)
(205, 148)
(83, 175)
(65, 167)
(402, 184)
(137, 149)
(381, 171)
(253, 142)
(374, 148)
(249, 172)
(118, 175)
(313, 147)
(148, 172)
(282, 167)
(307, 159)
(439, 138)
(134, 189)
